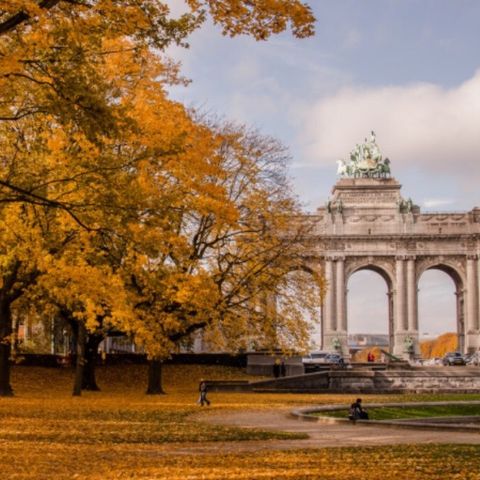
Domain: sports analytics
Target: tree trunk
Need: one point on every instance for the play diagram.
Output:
(80, 362)
(5, 348)
(89, 381)
(155, 378)
(14, 342)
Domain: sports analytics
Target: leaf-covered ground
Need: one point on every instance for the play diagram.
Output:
(121, 433)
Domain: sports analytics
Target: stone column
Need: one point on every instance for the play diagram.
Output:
(341, 310)
(412, 296)
(329, 297)
(341, 323)
(472, 292)
(412, 306)
(333, 338)
(472, 304)
(460, 294)
(400, 319)
(400, 296)
(391, 321)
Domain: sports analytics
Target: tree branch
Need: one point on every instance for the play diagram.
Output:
(29, 197)
(22, 16)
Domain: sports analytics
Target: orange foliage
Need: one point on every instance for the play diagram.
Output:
(361, 356)
(120, 207)
(448, 342)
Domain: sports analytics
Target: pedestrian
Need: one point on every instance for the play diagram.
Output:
(203, 389)
(276, 368)
(357, 412)
(283, 369)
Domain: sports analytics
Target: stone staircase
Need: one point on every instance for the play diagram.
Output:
(363, 380)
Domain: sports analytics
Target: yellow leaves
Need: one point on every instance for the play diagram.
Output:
(448, 342)
(260, 19)
(127, 206)
(120, 433)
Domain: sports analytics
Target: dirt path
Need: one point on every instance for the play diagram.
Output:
(321, 435)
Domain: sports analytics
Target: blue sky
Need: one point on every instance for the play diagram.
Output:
(408, 69)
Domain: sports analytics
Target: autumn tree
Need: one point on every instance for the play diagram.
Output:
(71, 74)
(233, 239)
(440, 346)
(52, 55)
(17, 273)
(149, 20)
(67, 178)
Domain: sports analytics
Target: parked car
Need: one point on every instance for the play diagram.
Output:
(454, 358)
(315, 358)
(335, 358)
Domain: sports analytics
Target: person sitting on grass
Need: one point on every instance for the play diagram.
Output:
(357, 412)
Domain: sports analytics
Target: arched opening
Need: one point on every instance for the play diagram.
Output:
(369, 310)
(440, 312)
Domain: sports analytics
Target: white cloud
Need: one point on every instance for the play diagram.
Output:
(437, 202)
(417, 125)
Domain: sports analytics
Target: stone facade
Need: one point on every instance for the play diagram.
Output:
(368, 225)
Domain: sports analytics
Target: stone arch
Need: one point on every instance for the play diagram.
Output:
(384, 268)
(455, 271)
(367, 224)
(451, 267)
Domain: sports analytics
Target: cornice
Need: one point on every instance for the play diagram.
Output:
(393, 236)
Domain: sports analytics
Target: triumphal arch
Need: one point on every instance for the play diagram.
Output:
(367, 224)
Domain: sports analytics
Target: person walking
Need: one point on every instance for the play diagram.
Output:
(203, 389)
(276, 368)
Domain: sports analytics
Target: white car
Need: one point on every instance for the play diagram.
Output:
(315, 358)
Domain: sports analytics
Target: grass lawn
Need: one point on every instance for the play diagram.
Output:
(394, 413)
(121, 433)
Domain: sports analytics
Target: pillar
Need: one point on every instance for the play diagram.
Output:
(460, 294)
(400, 307)
(391, 324)
(472, 292)
(412, 309)
(329, 297)
(341, 320)
(472, 304)
(400, 294)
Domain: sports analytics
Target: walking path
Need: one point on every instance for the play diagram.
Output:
(320, 434)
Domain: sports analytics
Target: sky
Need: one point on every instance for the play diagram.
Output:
(407, 69)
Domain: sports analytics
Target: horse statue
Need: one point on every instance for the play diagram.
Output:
(341, 168)
(365, 161)
(383, 169)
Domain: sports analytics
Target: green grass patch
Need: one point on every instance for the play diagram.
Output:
(397, 413)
